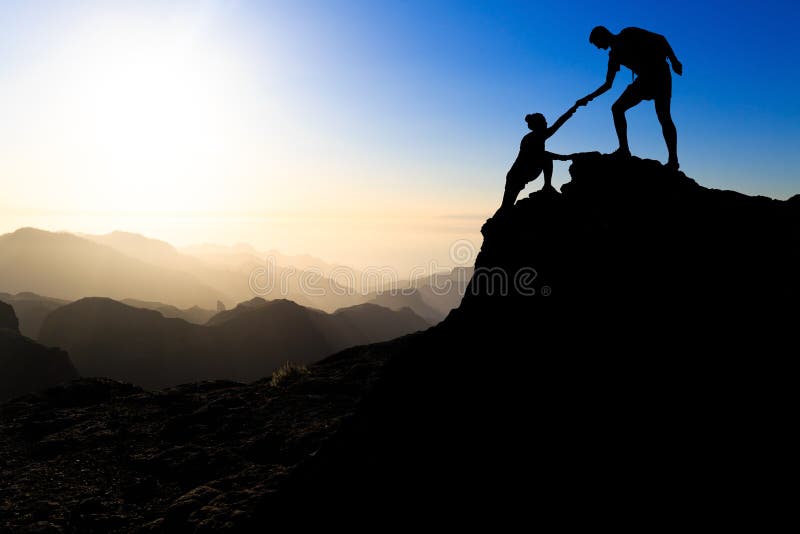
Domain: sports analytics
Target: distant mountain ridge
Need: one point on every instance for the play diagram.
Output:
(409, 299)
(110, 339)
(69, 267)
(195, 314)
(124, 265)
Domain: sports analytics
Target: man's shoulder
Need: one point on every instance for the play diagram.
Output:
(633, 30)
(634, 34)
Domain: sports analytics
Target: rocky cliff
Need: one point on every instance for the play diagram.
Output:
(620, 340)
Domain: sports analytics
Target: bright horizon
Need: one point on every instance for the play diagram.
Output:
(359, 133)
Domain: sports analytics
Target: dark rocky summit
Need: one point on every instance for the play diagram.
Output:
(626, 341)
(638, 368)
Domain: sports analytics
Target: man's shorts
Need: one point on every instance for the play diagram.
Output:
(654, 85)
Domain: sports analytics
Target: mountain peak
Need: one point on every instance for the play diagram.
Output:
(31, 233)
(630, 237)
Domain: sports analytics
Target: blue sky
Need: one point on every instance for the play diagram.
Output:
(457, 77)
(363, 110)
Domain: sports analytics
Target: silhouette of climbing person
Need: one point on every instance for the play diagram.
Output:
(645, 54)
(533, 159)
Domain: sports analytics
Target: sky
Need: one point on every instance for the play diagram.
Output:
(368, 133)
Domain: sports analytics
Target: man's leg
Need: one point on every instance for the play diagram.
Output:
(629, 98)
(669, 130)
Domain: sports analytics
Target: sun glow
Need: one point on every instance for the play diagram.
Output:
(148, 117)
(199, 122)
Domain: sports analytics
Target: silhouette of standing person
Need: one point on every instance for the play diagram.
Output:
(645, 53)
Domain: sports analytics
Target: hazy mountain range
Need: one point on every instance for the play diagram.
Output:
(110, 339)
(154, 274)
(137, 309)
(66, 266)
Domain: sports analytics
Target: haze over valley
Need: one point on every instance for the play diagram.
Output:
(137, 309)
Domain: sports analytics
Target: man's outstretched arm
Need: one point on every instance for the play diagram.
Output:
(677, 66)
(610, 75)
(561, 120)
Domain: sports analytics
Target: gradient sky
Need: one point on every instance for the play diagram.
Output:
(364, 132)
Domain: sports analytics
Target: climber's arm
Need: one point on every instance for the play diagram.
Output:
(613, 68)
(561, 120)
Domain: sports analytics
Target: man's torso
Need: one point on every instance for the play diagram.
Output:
(641, 51)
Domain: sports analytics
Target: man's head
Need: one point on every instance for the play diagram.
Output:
(536, 121)
(601, 37)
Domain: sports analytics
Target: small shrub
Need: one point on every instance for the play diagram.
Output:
(287, 371)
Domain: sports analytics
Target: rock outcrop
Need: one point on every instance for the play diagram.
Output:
(619, 340)
(631, 249)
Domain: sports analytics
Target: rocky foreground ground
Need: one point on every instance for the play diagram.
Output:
(97, 455)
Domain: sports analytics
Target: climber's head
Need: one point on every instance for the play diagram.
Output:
(601, 37)
(536, 121)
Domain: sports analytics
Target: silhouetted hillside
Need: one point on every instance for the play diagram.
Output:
(26, 366)
(68, 267)
(109, 339)
(31, 309)
(625, 350)
(408, 298)
(328, 333)
(379, 323)
(617, 341)
(666, 254)
(241, 309)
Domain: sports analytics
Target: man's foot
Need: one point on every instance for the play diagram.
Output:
(621, 153)
(673, 165)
